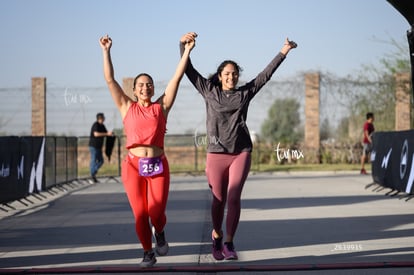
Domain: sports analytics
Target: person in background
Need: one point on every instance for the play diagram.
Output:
(145, 170)
(229, 143)
(96, 140)
(368, 129)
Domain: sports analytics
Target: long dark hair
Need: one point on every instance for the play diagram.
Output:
(214, 78)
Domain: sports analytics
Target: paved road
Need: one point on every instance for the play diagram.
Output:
(297, 223)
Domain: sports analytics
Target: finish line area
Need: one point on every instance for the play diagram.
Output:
(298, 222)
(343, 268)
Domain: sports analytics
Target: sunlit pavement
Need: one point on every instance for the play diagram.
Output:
(291, 223)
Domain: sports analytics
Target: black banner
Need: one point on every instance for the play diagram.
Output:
(10, 169)
(21, 167)
(392, 160)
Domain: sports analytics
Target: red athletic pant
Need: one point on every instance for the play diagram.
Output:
(226, 174)
(147, 197)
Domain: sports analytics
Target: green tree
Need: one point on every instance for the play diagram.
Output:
(342, 131)
(379, 94)
(282, 122)
(372, 89)
(325, 129)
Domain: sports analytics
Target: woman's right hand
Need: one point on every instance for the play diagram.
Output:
(105, 42)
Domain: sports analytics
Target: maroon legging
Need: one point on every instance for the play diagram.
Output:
(147, 197)
(226, 174)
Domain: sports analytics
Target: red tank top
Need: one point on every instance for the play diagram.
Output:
(145, 125)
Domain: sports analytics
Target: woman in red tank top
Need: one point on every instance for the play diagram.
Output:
(145, 171)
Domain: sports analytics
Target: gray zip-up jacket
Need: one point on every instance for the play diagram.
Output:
(227, 131)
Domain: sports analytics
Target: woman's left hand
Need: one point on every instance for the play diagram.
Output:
(190, 36)
(288, 46)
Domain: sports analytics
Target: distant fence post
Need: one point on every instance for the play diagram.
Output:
(312, 135)
(195, 157)
(402, 102)
(38, 106)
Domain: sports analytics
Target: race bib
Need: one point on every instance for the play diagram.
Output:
(150, 166)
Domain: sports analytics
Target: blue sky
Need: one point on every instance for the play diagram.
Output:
(59, 39)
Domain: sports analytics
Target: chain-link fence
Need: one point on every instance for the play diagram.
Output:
(15, 111)
(60, 160)
(71, 111)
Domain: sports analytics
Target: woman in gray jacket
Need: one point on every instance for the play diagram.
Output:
(229, 145)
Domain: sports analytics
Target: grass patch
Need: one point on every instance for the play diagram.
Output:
(106, 170)
(307, 167)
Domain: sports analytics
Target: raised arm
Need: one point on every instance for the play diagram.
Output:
(168, 98)
(255, 85)
(121, 100)
(200, 83)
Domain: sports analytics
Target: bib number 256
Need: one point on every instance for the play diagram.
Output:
(150, 166)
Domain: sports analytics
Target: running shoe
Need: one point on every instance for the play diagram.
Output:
(229, 252)
(149, 259)
(217, 250)
(161, 245)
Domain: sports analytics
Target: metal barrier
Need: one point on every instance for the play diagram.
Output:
(112, 163)
(32, 164)
(60, 165)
